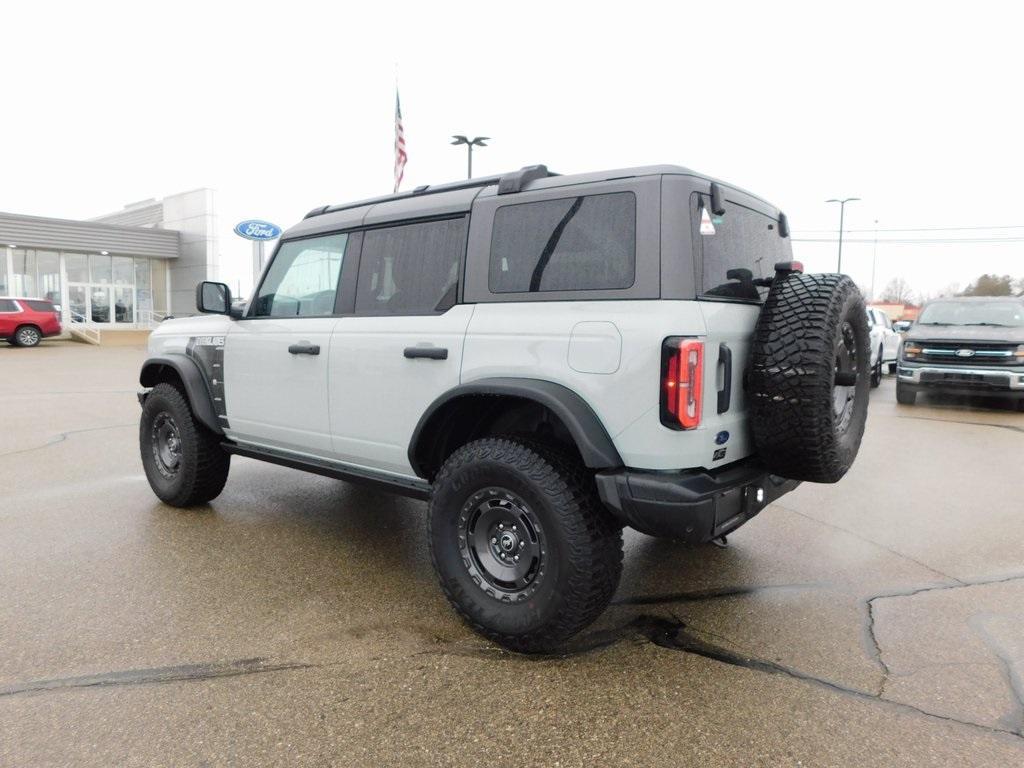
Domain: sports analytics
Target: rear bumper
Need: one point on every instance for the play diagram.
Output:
(694, 506)
(972, 380)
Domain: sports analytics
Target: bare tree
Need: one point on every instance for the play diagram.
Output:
(897, 291)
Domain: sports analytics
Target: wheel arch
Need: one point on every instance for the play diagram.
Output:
(461, 413)
(182, 371)
(22, 326)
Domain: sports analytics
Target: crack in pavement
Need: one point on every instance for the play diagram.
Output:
(716, 593)
(977, 622)
(1014, 684)
(672, 635)
(181, 672)
(60, 437)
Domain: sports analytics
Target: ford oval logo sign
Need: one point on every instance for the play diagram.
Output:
(965, 353)
(255, 229)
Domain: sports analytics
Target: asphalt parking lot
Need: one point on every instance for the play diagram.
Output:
(296, 621)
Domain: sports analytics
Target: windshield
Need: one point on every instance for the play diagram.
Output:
(1003, 313)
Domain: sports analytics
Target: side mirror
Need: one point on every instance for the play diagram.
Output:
(214, 298)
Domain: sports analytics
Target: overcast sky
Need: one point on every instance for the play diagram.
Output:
(280, 107)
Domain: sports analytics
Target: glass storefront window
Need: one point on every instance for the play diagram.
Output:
(99, 268)
(124, 305)
(76, 300)
(48, 264)
(124, 271)
(142, 277)
(77, 266)
(23, 280)
(3, 271)
(143, 288)
(99, 304)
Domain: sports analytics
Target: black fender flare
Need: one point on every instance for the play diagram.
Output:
(196, 388)
(585, 428)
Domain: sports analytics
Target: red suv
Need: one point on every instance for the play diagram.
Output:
(23, 322)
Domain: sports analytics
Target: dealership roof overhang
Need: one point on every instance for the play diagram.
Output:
(87, 237)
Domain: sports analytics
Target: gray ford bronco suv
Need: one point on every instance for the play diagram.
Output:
(544, 359)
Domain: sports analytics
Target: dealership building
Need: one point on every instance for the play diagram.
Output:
(122, 271)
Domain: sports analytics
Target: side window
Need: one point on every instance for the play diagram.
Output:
(6, 305)
(583, 243)
(303, 278)
(741, 240)
(410, 269)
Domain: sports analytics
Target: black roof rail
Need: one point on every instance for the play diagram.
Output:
(514, 182)
(508, 183)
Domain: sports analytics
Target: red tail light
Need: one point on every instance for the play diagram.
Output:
(682, 382)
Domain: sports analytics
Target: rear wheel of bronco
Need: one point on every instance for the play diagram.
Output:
(184, 461)
(524, 550)
(809, 376)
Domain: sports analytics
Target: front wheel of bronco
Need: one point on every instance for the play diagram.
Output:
(524, 549)
(184, 461)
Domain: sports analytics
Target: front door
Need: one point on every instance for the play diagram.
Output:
(276, 358)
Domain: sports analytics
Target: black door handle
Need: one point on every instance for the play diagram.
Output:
(305, 348)
(725, 393)
(430, 353)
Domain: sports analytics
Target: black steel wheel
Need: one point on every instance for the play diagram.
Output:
(165, 442)
(184, 461)
(524, 550)
(502, 543)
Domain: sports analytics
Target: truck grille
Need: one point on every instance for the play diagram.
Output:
(968, 354)
(966, 379)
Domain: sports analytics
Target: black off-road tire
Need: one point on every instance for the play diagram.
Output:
(876, 371)
(808, 380)
(202, 464)
(905, 396)
(578, 559)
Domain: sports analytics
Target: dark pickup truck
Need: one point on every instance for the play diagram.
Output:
(965, 345)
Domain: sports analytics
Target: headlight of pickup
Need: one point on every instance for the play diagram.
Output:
(1019, 354)
(911, 350)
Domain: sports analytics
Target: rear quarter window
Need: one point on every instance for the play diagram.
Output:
(584, 243)
(6, 305)
(40, 306)
(740, 239)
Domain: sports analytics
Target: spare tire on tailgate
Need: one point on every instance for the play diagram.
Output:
(807, 384)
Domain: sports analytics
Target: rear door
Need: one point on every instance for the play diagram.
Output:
(276, 358)
(403, 346)
(744, 241)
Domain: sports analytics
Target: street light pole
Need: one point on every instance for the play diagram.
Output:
(842, 210)
(476, 141)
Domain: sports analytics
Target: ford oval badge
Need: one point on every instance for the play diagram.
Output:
(255, 229)
(722, 438)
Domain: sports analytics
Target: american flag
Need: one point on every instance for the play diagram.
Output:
(400, 156)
